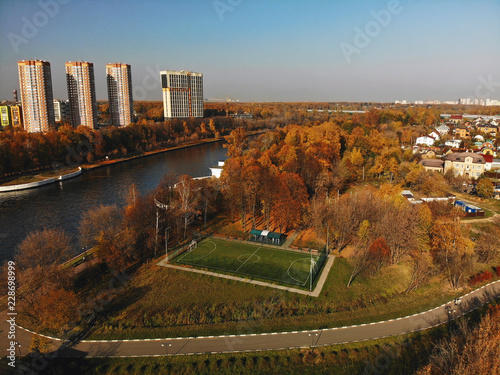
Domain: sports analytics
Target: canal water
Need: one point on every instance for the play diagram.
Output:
(62, 204)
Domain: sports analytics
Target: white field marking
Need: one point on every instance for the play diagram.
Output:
(248, 259)
(291, 277)
(204, 256)
(255, 261)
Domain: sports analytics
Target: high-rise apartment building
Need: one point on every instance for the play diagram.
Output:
(16, 115)
(182, 93)
(121, 104)
(81, 93)
(36, 95)
(5, 115)
(62, 111)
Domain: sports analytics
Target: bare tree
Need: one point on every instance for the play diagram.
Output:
(98, 223)
(361, 254)
(188, 197)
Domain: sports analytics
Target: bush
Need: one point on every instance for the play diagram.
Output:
(497, 270)
(480, 277)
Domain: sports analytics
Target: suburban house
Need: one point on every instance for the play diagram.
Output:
(456, 118)
(466, 164)
(433, 165)
(443, 129)
(487, 128)
(428, 141)
(428, 154)
(454, 143)
(436, 135)
(488, 161)
(462, 131)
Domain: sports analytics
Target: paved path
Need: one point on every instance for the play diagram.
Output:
(290, 239)
(267, 341)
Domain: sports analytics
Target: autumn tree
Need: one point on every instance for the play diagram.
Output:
(488, 245)
(399, 228)
(485, 188)
(38, 259)
(360, 257)
(451, 249)
(290, 203)
(102, 222)
(236, 142)
(378, 254)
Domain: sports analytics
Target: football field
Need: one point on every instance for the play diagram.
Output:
(252, 261)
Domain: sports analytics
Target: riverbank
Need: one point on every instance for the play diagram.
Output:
(44, 178)
(106, 163)
(40, 180)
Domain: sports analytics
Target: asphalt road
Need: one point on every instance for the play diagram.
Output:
(268, 341)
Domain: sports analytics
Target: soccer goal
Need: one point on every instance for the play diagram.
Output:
(192, 245)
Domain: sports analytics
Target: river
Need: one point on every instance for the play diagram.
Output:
(62, 204)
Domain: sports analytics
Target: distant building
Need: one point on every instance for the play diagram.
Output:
(182, 94)
(14, 96)
(16, 113)
(36, 95)
(5, 115)
(454, 143)
(487, 128)
(433, 165)
(466, 164)
(462, 132)
(456, 118)
(443, 129)
(217, 171)
(121, 103)
(428, 141)
(491, 102)
(62, 110)
(81, 93)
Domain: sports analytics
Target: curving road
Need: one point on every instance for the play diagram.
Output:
(267, 341)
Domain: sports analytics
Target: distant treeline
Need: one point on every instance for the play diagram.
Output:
(22, 152)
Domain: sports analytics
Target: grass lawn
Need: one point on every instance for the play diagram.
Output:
(159, 302)
(250, 260)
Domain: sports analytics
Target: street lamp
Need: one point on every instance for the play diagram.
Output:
(166, 244)
(166, 345)
(312, 335)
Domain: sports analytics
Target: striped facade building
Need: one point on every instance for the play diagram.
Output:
(121, 104)
(182, 93)
(36, 95)
(81, 94)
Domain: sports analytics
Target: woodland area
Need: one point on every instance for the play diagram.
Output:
(339, 174)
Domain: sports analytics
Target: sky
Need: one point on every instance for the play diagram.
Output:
(266, 50)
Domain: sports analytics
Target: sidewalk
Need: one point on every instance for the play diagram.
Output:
(290, 239)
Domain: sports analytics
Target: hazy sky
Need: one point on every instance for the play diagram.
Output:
(266, 50)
